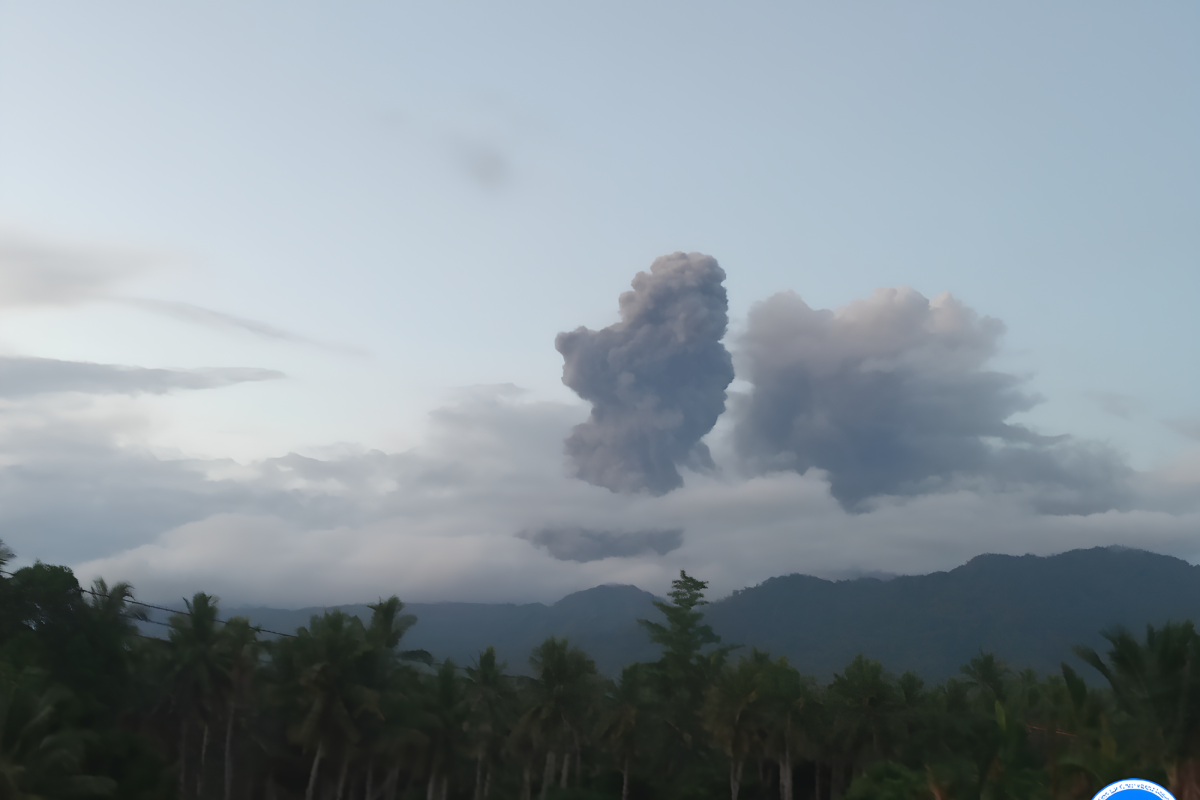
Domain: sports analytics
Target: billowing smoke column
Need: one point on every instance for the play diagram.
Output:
(891, 396)
(656, 379)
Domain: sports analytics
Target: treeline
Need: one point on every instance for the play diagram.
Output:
(89, 707)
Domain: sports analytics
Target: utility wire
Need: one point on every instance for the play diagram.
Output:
(158, 608)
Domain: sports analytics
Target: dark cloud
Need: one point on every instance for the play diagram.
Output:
(21, 377)
(890, 396)
(581, 544)
(656, 379)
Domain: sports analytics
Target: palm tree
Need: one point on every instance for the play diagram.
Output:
(110, 626)
(786, 710)
(1158, 684)
(728, 717)
(240, 646)
(524, 741)
(564, 682)
(445, 721)
(39, 757)
(862, 700)
(198, 670)
(111, 610)
(489, 696)
(392, 734)
(1083, 750)
(624, 725)
(319, 678)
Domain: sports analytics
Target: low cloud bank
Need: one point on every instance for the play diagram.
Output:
(441, 523)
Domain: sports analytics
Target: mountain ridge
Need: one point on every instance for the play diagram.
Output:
(1029, 610)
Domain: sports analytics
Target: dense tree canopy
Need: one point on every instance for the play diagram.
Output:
(91, 707)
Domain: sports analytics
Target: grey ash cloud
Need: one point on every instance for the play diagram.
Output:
(656, 379)
(23, 377)
(891, 396)
(582, 544)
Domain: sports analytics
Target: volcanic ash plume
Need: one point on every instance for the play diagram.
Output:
(656, 379)
(892, 395)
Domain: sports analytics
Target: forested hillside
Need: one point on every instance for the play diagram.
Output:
(1032, 609)
(346, 707)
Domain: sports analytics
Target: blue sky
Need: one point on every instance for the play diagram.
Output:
(387, 203)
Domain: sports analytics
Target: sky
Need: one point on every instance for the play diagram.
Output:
(308, 303)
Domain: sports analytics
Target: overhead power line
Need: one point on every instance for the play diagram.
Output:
(159, 608)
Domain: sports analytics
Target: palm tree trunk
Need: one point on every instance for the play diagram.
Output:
(735, 778)
(478, 795)
(182, 757)
(566, 770)
(487, 782)
(445, 787)
(1183, 779)
(526, 780)
(431, 787)
(625, 779)
(785, 774)
(341, 786)
(837, 778)
(203, 763)
(272, 794)
(312, 775)
(817, 781)
(547, 775)
(393, 778)
(578, 762)
(369, 792)
(229, 754)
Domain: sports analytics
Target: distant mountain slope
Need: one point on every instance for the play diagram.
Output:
(1028, 610)
(603, 621)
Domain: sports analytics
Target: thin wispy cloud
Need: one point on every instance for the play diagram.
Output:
(24, 377)
(198, 315)
(41, 272)
(35, 271)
